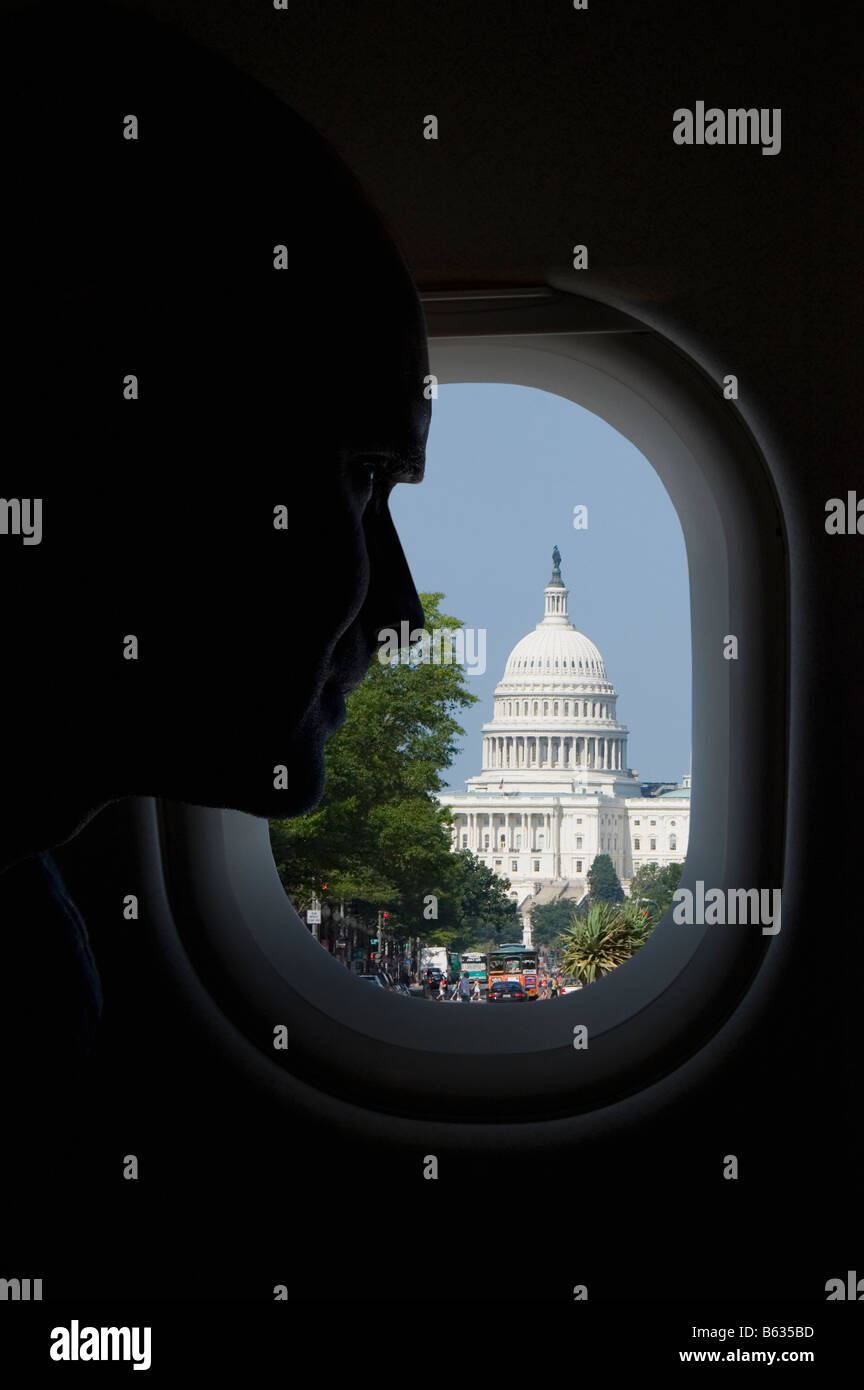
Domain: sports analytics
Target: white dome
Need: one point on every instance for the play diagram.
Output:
(556, 652)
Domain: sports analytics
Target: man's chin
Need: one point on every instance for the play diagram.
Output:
(305, 787)
(272, 779)
(304, 792)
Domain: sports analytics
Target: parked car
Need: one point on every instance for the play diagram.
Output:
(569, 985)
(506, 991)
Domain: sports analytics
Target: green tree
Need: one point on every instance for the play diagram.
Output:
(602, 940)
(549, 920)
(477, 904)
(604, 885)
(508, 931)
(379, 837)
(657, 884)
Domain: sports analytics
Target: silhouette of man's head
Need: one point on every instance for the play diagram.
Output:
(219, 376)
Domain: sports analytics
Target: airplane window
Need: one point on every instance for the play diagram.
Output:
(665, 1001)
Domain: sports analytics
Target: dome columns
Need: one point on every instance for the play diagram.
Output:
(588, 752)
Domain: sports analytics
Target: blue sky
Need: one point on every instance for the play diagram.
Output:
(505, 467)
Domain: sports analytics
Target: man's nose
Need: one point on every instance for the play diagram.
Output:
(392, 598)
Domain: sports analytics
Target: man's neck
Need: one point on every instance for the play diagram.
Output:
(43, 805)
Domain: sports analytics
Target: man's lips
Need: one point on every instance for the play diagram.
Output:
(345, 684)
(333, 703)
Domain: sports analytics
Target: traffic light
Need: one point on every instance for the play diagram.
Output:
(386, 916)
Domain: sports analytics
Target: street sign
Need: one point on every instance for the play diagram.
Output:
(313, 917)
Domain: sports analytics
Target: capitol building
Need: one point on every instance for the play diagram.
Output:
(555, 789)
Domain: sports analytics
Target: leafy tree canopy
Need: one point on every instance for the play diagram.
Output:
(479, 903)
(657, 883)
(549, 920)
(604, 885)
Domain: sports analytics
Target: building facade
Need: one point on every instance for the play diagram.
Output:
(555, 788)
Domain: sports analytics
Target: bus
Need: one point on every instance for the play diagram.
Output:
(474, 966)
(514, 962)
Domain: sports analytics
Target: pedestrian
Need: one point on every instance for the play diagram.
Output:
(554, 990)
(443, 994)
(544, 991)
(464, 988)
(475, 993)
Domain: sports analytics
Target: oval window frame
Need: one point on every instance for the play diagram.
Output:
(223, 909)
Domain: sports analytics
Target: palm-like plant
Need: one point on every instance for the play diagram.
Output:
(603, 939)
